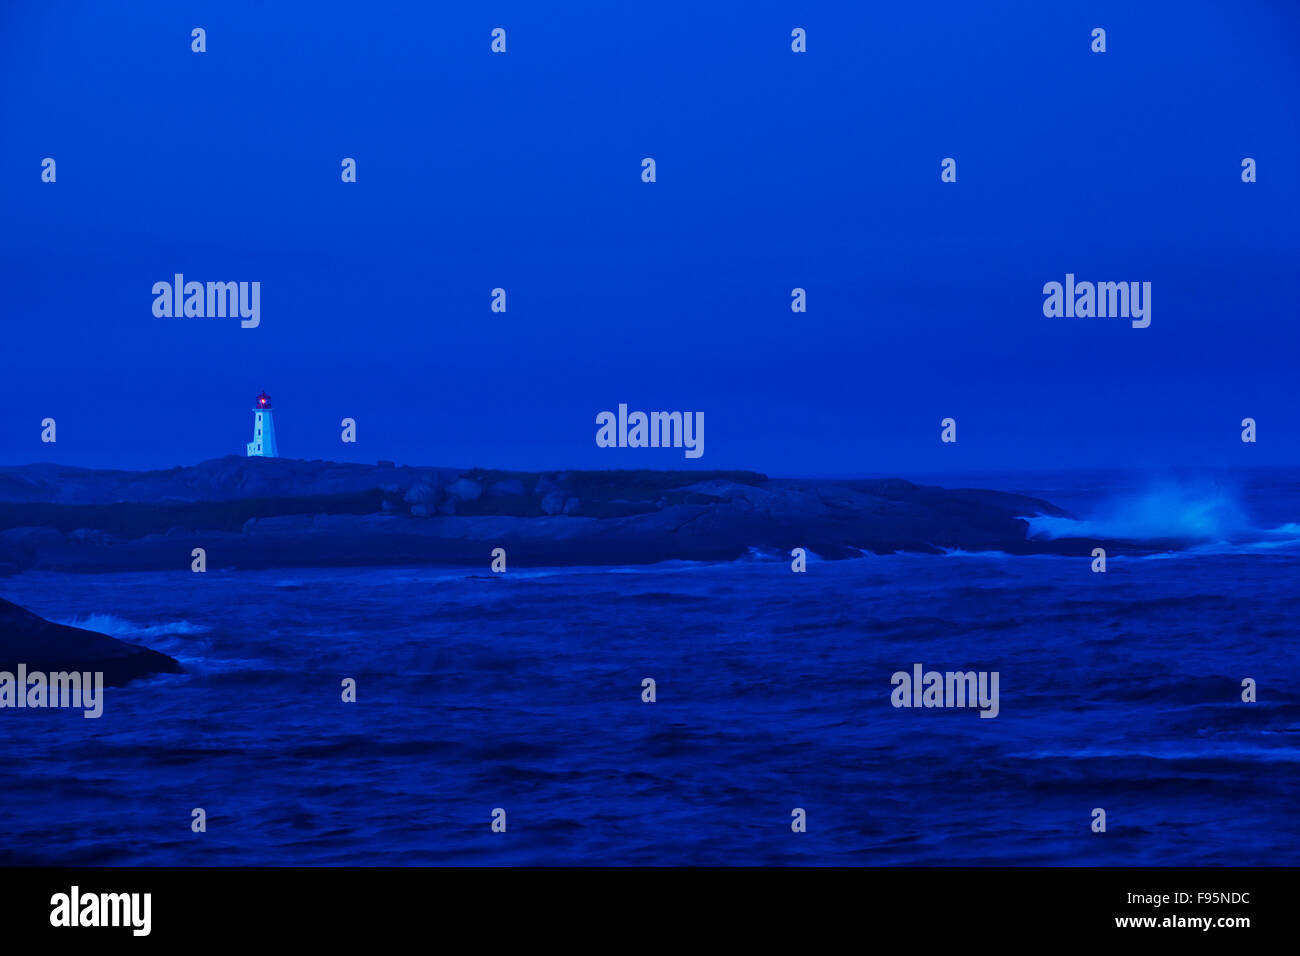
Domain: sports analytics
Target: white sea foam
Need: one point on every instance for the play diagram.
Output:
(1204, 518)
(117, 627)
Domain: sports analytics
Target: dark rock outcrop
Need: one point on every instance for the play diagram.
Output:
(26, 638)
(253, 513)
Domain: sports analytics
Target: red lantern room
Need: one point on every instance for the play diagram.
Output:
(263, 443)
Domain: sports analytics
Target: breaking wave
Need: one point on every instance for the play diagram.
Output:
(116, 627)
(1192, 515)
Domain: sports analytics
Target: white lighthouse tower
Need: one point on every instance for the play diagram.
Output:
(263, 443)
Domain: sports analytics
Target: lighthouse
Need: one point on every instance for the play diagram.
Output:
(263, 443)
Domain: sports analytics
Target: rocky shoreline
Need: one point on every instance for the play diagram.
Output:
(259, 513)
(35, 644)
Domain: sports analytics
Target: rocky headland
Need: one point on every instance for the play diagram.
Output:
(280, 512)
(40, 645)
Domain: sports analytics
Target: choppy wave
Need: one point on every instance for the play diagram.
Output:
(117, 627)
(1122, 685)
(1202, 517)
(760, 555)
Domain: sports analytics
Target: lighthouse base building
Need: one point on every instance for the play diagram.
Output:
(263, 443)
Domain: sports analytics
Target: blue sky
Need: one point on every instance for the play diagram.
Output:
(775, 170)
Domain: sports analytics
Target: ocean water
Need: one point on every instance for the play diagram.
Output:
(522, 691)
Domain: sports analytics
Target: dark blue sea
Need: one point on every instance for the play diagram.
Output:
(522, 691)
